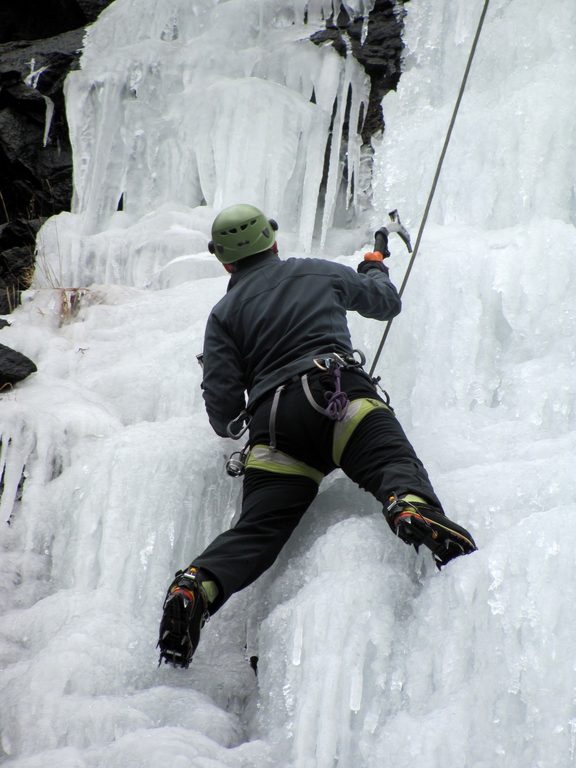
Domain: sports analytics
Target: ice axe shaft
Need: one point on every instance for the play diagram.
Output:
(380, 243)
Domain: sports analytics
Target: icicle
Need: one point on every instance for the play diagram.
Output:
(356, 686)
(335, 163)
(48, 119)
(297, 640)
(16, 445)
(358, 90)
(32, 78)
(364, 32)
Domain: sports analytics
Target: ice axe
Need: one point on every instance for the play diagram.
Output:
(394, 225)
(381, 252)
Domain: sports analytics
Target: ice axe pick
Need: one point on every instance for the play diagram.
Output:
(394, 225)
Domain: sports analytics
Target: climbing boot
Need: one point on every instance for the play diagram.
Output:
(185, 613)
(416, 522)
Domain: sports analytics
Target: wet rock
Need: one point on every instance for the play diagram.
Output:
(14, 367)
(39, 44)
(379, 53)
(17, 245)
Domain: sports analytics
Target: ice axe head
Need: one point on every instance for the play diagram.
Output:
(393, 225)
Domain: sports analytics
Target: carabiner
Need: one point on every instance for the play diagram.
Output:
(242, 416)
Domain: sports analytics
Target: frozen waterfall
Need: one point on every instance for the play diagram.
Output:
(180, 105)
(368, 657)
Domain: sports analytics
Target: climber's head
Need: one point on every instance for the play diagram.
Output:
(241, 231)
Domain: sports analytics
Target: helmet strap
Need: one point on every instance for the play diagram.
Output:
(230, 268)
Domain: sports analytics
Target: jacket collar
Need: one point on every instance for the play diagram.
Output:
(252, 264)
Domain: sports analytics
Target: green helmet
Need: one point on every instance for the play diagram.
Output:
(241, 231)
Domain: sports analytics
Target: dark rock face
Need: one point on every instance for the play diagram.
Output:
(35, 158)
(14, 366)
(33, 20)
(39, 44)
(379, 54)
(17, 240)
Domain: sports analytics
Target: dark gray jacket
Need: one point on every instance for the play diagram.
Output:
(276, 317)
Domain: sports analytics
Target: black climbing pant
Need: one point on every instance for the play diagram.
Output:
(377, 456)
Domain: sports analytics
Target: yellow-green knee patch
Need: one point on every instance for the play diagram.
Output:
(357, 410)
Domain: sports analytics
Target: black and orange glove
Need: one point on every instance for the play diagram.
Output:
(375, 259)
(372, 260)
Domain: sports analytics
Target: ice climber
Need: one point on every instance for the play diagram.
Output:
(280, 334)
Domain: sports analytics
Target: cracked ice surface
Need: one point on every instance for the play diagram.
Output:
(368, 657)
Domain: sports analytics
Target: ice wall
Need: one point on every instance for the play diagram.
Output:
(368, 657)
(483, 360)
(507, 192)
(187, 104)
(512, 155)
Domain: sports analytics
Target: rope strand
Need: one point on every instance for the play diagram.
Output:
(436, 177)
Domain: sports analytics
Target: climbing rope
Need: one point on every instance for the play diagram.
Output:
(436, 177)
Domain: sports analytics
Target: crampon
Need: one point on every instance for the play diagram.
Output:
(418, 523)
(185, 613)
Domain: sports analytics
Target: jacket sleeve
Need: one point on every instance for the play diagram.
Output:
(223, 380)
(372, 294)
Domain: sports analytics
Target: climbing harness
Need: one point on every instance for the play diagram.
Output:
(273, 412)
(337, 401)
(436, 177)
(336, 409)
(264, 458)
(348, 360)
